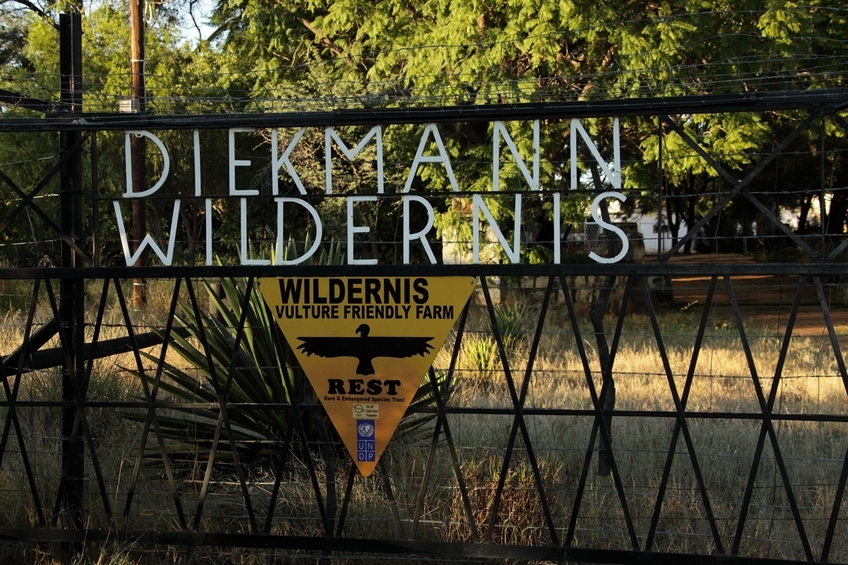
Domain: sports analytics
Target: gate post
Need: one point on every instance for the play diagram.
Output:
(71, 299)
(137, 144)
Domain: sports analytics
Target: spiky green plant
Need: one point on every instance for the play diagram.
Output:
(263, 370)
(511, 322)
(260, 373)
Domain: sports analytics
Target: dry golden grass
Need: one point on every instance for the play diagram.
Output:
(723, 383)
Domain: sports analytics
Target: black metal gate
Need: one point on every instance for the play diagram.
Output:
(681, 408)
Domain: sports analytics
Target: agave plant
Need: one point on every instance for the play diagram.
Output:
(511, 322)
(261, 371)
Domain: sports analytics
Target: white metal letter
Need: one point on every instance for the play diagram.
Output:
(596, 215)
(613, 174)
(196, 137)
(330, 135)
(166, 165)
(208, 220)
(166, 258)
(478, 205)
(279, 161)
(500, 130)
(557, 229)
(420, 235)
(281, 241)
(245, 243)
(442, 157)
(353, 229)
(233, 163)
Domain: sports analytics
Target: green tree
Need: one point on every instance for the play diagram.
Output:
(182, 78)
(388, 53)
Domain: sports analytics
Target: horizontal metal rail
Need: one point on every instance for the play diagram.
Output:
(834, 99)
(513, 270)
(379, 546)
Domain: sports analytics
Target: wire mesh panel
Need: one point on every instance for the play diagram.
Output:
(685, 402)
(719, 431)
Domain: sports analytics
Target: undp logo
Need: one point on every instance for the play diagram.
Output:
(365, 429)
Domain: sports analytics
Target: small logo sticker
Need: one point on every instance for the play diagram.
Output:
(366, 411)
(365, 446)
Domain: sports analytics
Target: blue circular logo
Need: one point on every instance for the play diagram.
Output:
(365, 430)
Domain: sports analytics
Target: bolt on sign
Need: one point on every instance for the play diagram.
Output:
(365, 344)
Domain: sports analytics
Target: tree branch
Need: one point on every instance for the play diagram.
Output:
(40, 12)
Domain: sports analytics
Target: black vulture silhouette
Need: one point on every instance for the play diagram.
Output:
(365, 348)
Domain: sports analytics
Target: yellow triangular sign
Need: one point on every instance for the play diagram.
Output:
(365, 343)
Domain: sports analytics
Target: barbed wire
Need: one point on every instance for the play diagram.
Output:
(778, 63)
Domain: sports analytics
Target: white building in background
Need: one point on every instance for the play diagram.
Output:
(591, 234)
(647, 225)
(649, 228)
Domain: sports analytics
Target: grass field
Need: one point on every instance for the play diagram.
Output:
(724, 419)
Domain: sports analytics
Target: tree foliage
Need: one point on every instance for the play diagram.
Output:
(390, 53)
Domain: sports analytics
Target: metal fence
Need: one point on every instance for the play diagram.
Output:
(685, 407)
(707, 430)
